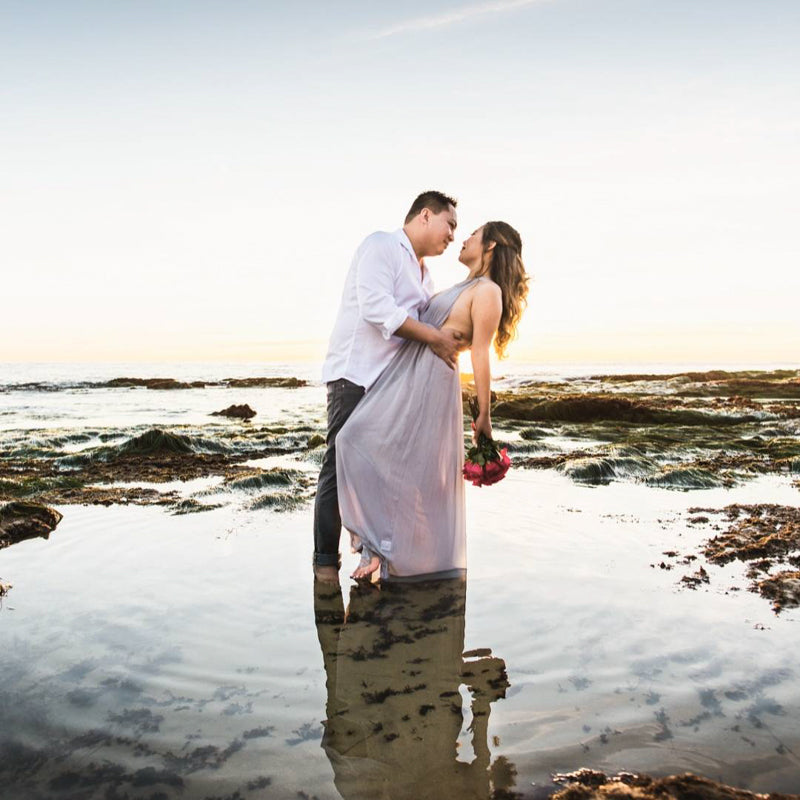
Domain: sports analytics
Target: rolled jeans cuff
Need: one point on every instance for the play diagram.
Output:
(328, 560)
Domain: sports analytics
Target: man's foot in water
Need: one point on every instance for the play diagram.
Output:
(326, 573)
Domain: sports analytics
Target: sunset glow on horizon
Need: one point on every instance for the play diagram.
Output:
(189, 181)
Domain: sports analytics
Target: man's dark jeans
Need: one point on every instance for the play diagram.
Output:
(343, 397)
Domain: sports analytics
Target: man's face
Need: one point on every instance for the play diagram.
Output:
(441, 230)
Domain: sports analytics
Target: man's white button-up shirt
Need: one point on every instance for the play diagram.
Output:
(383, 287)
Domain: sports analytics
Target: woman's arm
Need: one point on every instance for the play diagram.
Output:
(487, 307)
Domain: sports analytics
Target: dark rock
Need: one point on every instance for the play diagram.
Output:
(239, 412)
(152, 383)
(155, 441)
(22, 520)
(263, 383)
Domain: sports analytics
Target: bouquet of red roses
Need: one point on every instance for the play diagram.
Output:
(484, 463)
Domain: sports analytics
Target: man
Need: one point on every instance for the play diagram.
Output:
(385, 288)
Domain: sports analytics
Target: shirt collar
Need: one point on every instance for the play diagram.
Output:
(402, 237)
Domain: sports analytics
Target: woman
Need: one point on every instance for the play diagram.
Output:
(400, 456)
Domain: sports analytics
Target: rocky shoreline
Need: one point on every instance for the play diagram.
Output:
(684, 431)
(679, 431)
(158, 384)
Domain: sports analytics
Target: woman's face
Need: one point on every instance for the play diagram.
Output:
(472, 249)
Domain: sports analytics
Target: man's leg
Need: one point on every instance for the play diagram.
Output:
(343, 397)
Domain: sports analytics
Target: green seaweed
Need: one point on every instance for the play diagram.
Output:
(281, 501)
(686, 478)
(156, 441)
(596, 407)
(602, 469)
(192, 506)
(259, 480)
(34, 486)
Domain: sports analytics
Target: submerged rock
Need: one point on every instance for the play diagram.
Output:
(783, 589)
(241, 412)
(763, 536)
(21, 520)
(759, 531)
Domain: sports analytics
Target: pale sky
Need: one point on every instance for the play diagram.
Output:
(188, 179)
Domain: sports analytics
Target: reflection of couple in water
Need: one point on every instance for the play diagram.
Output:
(392, 471)
(396, 671)
(392, 474)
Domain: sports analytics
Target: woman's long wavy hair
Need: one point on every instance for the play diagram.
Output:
(506, 269)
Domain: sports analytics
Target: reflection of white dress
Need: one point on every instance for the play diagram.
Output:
(399, 459)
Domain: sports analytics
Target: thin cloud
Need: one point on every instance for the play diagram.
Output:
(449, 18)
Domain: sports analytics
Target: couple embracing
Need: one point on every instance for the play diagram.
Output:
(392, 471)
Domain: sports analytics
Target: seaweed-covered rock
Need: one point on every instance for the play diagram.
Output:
(22, 520)
(763, 536)
(621, 463)
(782, 588)
(685, 478)
(582, 408)
(599, 407)
(317, 440)
(257, 480)
(239, 412)
(151, 383)
(155, 441)
(263, 383)
(191, 506)
(592, 785)
(279, 501)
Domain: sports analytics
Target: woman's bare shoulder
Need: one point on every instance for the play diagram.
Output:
(486, 287)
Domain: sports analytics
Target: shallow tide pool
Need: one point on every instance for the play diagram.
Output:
(151, 656)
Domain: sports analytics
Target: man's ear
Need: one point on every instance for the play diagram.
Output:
(425, 215)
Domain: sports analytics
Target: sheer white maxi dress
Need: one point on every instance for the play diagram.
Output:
(399, 461)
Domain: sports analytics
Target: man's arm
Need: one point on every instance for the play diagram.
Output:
(376, 303)
(444, 343)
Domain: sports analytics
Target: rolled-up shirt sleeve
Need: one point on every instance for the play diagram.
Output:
(375, 288)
